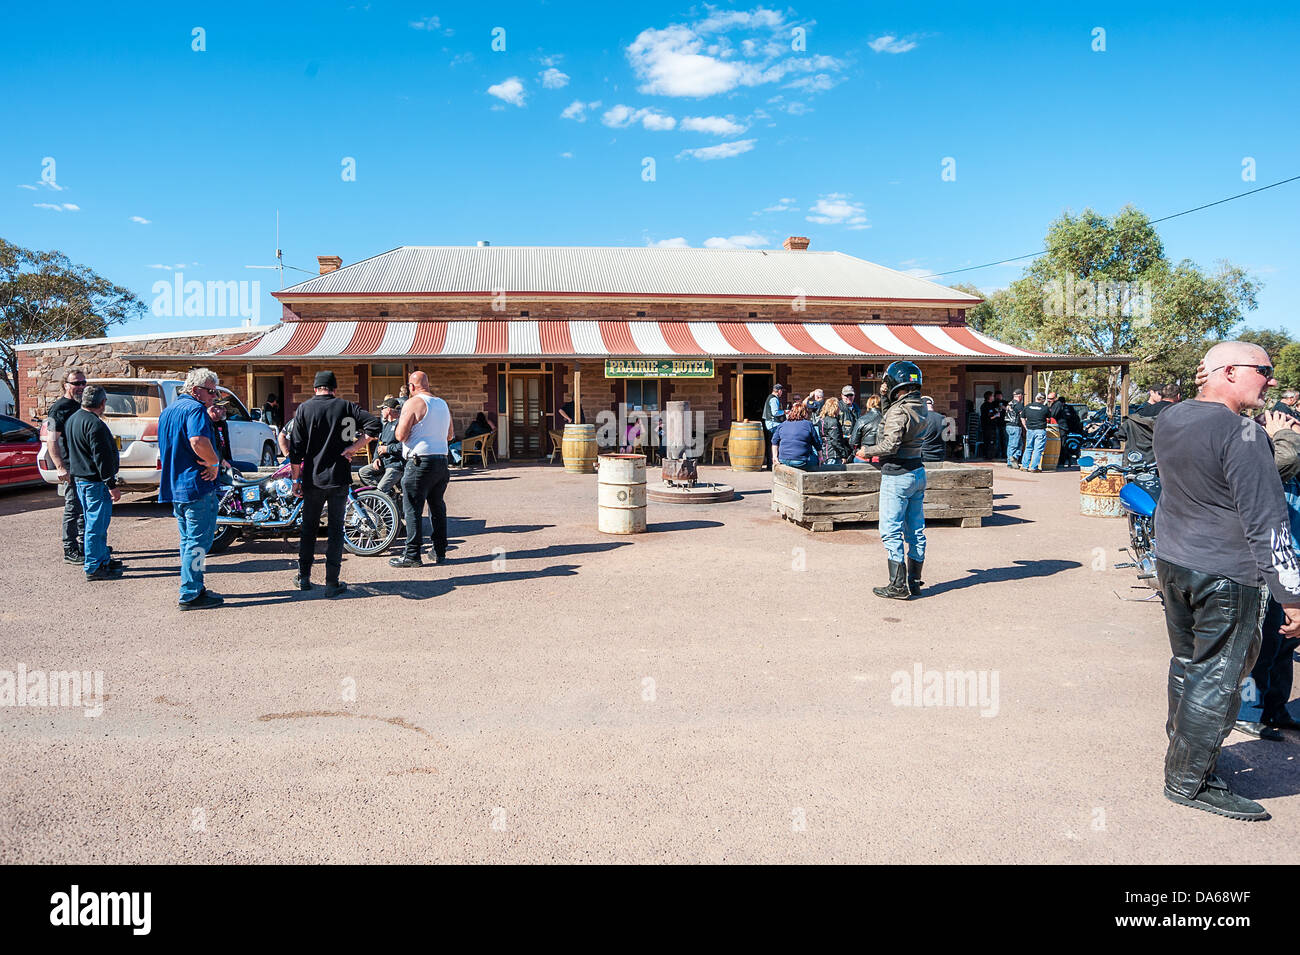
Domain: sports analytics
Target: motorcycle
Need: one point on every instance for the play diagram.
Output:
(1138, 499)
(1101, 430)
(267, 507)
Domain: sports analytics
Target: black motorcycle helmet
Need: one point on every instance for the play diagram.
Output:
(900, 375)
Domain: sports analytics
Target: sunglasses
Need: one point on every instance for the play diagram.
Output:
(77, 384)
(1265, 370)
(211, 391)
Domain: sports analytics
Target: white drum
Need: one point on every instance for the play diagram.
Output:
(620, 494)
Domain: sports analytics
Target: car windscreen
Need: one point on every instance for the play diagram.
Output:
(126, 400)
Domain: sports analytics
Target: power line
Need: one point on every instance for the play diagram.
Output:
(1034, 255)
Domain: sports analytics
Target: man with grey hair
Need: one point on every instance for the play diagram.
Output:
(1288, 402)
(93, 463)
(74, 522)
(1224, 530)
(187, 452)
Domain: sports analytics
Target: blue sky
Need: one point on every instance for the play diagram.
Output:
(752, 139)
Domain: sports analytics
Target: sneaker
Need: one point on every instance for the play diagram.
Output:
(203, 601)
(336, 588)
(72, 557)
(104, 572)
(405, 562)
(114, 564)
(1216, 797)
(1258, 730)
(302, 583)
(440, 559)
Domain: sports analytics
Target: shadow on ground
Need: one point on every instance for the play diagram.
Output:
(1018, 570)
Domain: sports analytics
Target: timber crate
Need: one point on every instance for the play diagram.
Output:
(848, 494)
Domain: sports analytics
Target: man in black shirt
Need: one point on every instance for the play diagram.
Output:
(1034, 418)
(74, 521)
(1223, 528)
(386, 469)
(1139, 427)
(1013, 417)
(932, 447)
(93, 463)
(326, 432)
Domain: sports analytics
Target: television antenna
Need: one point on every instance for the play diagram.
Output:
(279, 253)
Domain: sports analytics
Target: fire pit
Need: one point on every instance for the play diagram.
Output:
(681, 484)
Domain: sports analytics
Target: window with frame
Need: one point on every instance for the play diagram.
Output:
(642, 394)
(386, 379)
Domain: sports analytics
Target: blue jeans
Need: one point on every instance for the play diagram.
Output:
(1037, 440)
(803, 464)
(1013, 445)
(97, 505)
(197, 523)
(902, 514)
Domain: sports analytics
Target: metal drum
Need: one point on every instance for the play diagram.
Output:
(745, 447)
(579, 448)
(620, 494)
(1100, 498)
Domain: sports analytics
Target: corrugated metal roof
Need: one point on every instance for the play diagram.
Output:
(519, 270)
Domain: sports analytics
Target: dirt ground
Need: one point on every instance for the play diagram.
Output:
(722, 688)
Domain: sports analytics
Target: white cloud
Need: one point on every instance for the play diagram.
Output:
(57, 207)
(511, 90)
(721, 151)
(700, 59)
(577, 110)
(836, 209)
(677, 243)
(717, 125)
(782, 205)
(892, 44)
(566, 155)
(818, 83)
(428, 23)
(23, 185)
(553, 79)
(750, 241)
(620, 116)
(796, 108)
(172, 268)
(140, 219)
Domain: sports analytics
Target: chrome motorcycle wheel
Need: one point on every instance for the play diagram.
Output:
(370, 523)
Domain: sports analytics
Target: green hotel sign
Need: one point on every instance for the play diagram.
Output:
(658, 367)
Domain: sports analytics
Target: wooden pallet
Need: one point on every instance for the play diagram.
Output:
(830, 496)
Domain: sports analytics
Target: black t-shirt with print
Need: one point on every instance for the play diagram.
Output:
(1035, 415)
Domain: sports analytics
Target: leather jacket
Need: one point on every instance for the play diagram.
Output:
(899, 434)
(864, 429)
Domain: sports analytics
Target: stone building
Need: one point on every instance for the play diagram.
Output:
(506, 330)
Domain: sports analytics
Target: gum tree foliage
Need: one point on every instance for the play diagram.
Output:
(1188, 309)
(44, 297)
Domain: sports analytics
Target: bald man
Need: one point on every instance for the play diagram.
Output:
(425, 430)
(1223, 546)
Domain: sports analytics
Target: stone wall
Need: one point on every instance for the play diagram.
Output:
(41, 370)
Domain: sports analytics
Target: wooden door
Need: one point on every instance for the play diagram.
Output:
(527, 416)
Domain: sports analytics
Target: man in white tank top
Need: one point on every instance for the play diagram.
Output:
(425, 430)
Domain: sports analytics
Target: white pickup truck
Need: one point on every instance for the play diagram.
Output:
(131, 413)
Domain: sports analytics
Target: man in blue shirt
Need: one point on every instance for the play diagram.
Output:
(187, 451)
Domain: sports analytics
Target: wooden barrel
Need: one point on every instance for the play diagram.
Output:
(579, 448)
(1052, 448)
(1100, 498)
(745, 447)
(620, 494)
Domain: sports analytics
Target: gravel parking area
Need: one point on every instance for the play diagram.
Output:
(722, 688)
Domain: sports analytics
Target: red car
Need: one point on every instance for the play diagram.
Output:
(19, 445)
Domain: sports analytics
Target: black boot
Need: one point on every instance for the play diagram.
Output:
(897, 588)
(914, 581)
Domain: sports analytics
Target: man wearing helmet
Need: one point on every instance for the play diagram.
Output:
(902, 479)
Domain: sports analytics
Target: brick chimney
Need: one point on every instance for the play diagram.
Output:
(796, 243)
(328, 263)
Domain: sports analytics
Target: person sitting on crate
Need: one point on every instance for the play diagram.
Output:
(797, 440)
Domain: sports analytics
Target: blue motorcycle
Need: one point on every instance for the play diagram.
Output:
(1138, 498)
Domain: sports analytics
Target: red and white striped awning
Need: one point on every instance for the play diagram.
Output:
(521, 338)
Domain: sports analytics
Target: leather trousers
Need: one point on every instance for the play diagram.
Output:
(1214, 629)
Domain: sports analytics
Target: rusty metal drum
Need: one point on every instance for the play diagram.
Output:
(620, 494)
(1100, 498)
